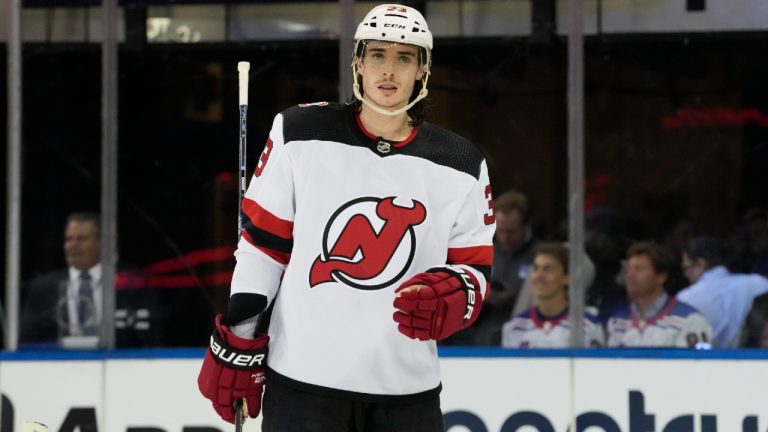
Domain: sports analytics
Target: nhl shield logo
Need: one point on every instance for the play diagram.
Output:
(368, 243)
(383, 147)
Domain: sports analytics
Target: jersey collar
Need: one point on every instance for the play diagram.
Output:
(396, 144)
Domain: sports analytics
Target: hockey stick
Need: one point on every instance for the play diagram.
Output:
(242, 73)
(240, 414)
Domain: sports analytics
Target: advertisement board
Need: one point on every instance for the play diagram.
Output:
(492, 391)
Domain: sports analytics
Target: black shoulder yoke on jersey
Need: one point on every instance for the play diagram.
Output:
(336, 122)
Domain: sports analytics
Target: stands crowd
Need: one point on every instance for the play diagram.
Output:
(675, 288)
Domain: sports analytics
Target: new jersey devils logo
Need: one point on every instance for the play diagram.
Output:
(368, 243)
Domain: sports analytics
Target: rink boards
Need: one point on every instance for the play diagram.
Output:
(485, 390)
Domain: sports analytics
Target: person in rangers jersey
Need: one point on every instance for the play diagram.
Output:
(653, 318)
(370, 230)
(547, 324)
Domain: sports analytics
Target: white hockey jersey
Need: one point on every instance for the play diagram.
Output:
(337, 219)
(676, 325)
(530, 329)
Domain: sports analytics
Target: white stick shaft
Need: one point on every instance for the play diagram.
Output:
(243, 69)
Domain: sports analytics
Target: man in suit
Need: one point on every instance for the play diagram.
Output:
(67, 302)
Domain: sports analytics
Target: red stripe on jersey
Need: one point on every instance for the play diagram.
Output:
(477, 255)
(280, 257)
(266, 221)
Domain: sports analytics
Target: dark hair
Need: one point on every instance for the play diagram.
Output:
(709, 249)
(661, 259)
(86, 217)
(418, 111)
(512, 200)
(556, 250)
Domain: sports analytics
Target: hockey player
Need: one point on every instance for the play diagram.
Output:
(371, 230)
(654, 318)
(547, 324)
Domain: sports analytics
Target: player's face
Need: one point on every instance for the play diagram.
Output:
(548, 277)
(641, 279)
(82, 245)
(510, 230)
(390, 71)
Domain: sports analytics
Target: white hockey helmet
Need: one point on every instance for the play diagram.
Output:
(399, 24)
(395, 23)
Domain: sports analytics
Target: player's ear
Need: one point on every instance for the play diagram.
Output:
(420, 73)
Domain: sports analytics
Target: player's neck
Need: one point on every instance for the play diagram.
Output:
(392, 128)
(552, 307)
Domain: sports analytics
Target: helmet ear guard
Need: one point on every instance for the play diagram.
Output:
(398, 24)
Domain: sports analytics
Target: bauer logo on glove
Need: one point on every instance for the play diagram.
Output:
(233, 370)
(234, 358)
(437, 303)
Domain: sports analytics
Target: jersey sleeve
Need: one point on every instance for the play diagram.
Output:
(471, 241)
(267, 215)
(696, 329)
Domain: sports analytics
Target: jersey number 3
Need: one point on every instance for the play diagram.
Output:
(489, 218)
(263, 158)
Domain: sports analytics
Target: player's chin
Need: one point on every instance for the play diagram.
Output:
(388, 104)
(391, 101)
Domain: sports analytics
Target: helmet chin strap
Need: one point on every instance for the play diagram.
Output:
(381, 110)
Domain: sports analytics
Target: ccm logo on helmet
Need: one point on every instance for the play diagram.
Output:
(235, 359)
(398, 26)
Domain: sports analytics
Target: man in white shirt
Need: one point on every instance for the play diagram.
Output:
(723, 297)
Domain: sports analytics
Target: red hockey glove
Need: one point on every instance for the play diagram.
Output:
(233, 369)
(449, 301)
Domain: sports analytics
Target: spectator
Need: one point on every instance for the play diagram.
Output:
(723, 297)
(547, 324)
(526, 299)
(60, 306)
(513, 248)
(740, 259)
(675, 231)
(605, 240)
(654, 318)
(756, 220)
(755, 331)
